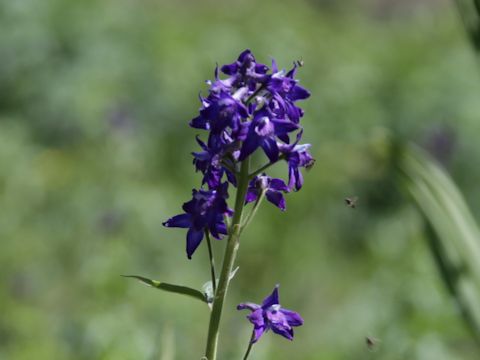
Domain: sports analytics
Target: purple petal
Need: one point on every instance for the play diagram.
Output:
(249, 306)
(231, 177)
(298, 93)
(264, 127)
(251, 143)
(245, 53)
(278, 322)
(292, 173)
(271, 149)
(284, 126)
(286, 332)
(218, 229)
(200, 123)
(221, 228)
(276, 317)
(201, 143)
(256, 318)
(284, 138)
(278, 184)
(189, 206)
(261, 68)
(214, 231)
(202, 155)
(251, 196)
(298, 180)
(194, 237)
(258, 333)
(294, 113)
(272, 299)
(277, 199)
(230, 69)
(293, 318)
(291, 73)
(179, 221)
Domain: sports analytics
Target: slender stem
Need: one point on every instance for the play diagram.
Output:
(254, 209)
(250, 344)
(265, 167)
(228, 261)
(226, 220)
(212, 261)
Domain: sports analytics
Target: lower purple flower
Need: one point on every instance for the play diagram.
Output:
(270, 315)
(205, 211)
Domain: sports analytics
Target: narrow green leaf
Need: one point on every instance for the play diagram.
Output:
(451, 230)
(443, 205)
(183, 290)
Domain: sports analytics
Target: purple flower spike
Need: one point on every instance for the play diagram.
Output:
(270, 315)
(205, 211)
(249, 107)
(274, 188)
(252, 107)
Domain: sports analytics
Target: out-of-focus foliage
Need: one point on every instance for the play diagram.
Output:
(470, 13)
(453, 232)
(95, 97)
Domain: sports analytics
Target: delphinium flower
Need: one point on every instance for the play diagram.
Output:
(273, 189)
(205, 211)
(297, 156)
(251, 108)
(271, 316)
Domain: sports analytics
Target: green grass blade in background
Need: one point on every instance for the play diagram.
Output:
(470, 13)
(452, 232)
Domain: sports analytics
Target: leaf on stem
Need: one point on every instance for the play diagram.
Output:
(182, 290)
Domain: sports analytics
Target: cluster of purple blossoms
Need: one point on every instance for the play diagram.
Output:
(270, 315)
(253, 107)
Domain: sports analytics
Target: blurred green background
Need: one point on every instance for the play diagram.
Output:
(95, 99)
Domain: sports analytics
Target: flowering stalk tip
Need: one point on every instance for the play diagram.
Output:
(253, 107)
(250, 108)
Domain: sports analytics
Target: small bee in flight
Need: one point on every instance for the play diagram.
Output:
(351, 202)
(371, 343)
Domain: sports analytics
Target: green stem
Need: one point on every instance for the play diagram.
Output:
(250, 344)
(265, 167)
(228, 261)
(212, 261)
(254, 210)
